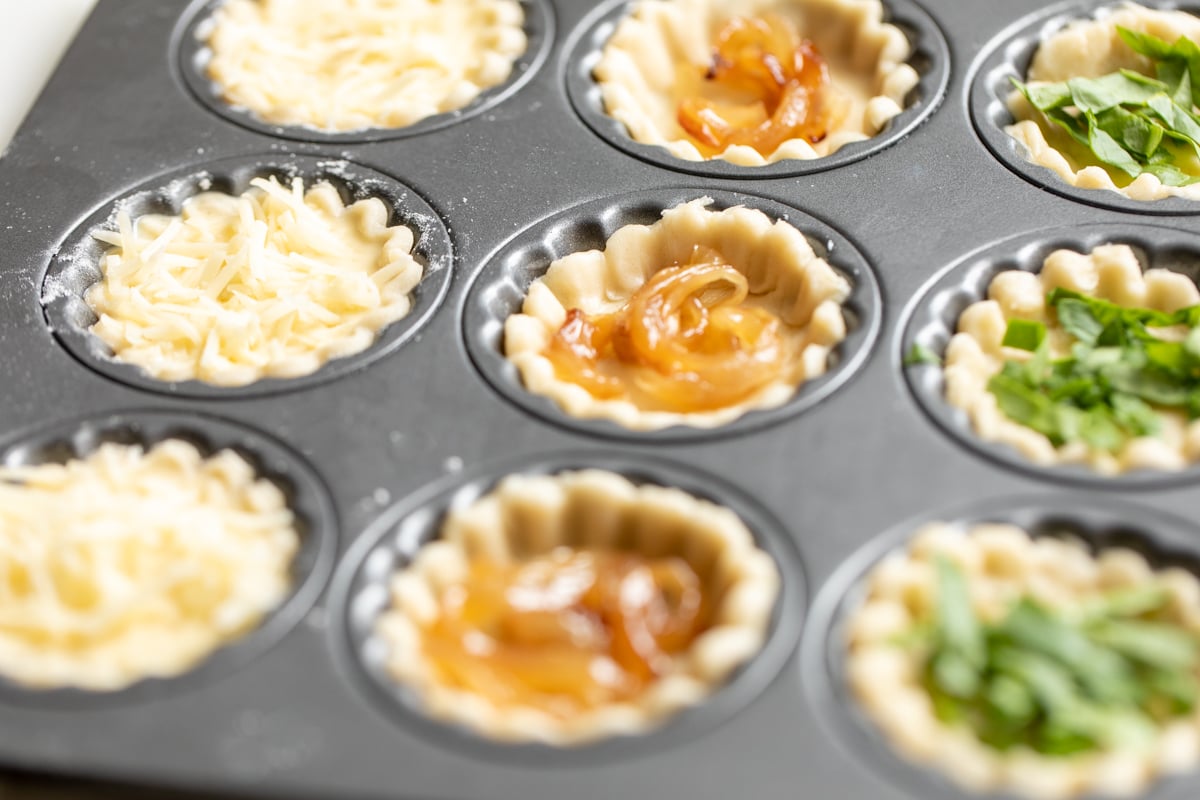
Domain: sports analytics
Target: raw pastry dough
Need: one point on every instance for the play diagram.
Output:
(1090, 49)
(128, 564)
(974, 355)
(785, 277)
(659, 53)
(272, 283)
(345, 65)
(1001, 564)
(530, 515)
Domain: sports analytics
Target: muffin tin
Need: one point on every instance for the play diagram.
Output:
(827, 483)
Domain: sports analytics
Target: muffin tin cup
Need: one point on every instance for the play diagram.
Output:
(76, 265)
(498, 290)
(306, 495)
(1009, 56)
(930, 57)
(191, 57)
(1101, 523)
(360, 594)
(933, 320)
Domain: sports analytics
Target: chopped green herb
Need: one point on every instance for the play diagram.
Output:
(1132, 122)
(920, 354)
(1107, 390)
(1024, 334)
(1103, 677)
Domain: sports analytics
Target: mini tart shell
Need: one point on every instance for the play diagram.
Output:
(1090, 49)
(975, 354)
(1002, 563)
(528, 515)
(247, 36)
(785, 276)
(658, 55)
(234, 362)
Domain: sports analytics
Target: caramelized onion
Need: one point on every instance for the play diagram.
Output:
(685, 342)
(775, 87)
(566, 631)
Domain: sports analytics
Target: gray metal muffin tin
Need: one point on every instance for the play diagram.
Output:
(373, 449)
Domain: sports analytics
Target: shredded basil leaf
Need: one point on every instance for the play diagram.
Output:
(920, 354)
(1133, 123)
(1107, 675)
(1118, 373)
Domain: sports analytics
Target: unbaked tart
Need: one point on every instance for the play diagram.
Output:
(1030, 665)
(755, 82)
(1107, 108)
(693, 320)
(1090, 361)
(567, 608)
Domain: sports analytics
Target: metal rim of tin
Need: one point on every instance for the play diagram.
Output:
(498, 290)
(307, 496)
(1100, 522)
(191, 56)
(1008, 56)
(74, 267)
(932, 320)
(360, 593)
(931, 58)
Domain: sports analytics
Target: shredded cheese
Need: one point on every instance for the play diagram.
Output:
(130, 564)
(272, 283)
(343, 65)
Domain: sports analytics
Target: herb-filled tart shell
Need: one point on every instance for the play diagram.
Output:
(1002, 564)
(976, 354)
(532, 516)
(1090, 49)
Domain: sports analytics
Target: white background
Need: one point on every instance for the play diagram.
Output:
(33, 36)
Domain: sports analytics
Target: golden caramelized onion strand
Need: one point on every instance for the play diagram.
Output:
(770, 86)
(686, 341)
(566, 631)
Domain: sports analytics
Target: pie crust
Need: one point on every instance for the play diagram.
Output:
(658, 54)
(126, 565)
(785, 275)
(1002, 563)
(975, 354)
(268, 284)
(337, 65)
(528, 515)
(1090, 49)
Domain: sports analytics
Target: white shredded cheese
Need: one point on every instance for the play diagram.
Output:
(272, 283)
(130, 564)
(342, 65)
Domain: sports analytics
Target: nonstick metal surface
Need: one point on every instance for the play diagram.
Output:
(828, 482)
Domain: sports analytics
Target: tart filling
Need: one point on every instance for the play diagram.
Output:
(1143, 137)
(693, 320)
(1030, 665)
(128, 564)
(345, 66)
(1089, 361)
(758, 82)
(268, 284)
(563, 609)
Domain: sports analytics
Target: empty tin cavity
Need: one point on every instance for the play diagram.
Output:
(192, 55)
(362, 593)
(935, 317)
(303, 490)
(1100, 524)
(1009, 57)
(930, 58)
(499, 290)
(75, 267)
